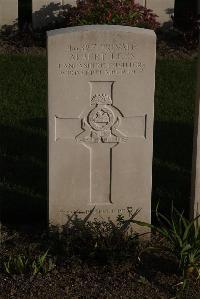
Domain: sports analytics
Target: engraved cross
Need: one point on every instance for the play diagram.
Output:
(103, 127)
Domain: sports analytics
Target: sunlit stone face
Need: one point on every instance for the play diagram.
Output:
(101, 99)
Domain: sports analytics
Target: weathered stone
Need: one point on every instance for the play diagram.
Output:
(8, 13)
(164, 9)
(141, 2)
(101, 106)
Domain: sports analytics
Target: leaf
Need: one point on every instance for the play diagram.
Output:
(125, 226)
(43, 257)
(88, 216)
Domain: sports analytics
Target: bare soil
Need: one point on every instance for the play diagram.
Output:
(145, 274)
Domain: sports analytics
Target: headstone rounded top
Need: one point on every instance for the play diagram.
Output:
(85, 28)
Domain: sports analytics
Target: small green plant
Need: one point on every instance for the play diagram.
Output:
(143, 280)
(117, 239)
(22, 264)
(99, 240)
(183, 237)
(16, 265)
(41, 264)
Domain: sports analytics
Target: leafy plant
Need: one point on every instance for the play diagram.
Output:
(116, 240)
(41, 264)
(22, 264)
(16, 265)
(99, 240)
(124, 12)
(183, 236)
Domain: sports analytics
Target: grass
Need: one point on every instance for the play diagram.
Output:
(23, 138)
(173, 132)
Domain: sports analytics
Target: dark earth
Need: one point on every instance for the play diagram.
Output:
(142, 275)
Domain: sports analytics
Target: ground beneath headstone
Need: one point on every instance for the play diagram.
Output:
(83, 281)
(147, 275)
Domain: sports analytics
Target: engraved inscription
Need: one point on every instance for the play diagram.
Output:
(103, 47)
(101, 59)
(88, 69)
(95, 210)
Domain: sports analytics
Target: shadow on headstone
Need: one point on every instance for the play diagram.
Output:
(8, 30)
(24, 13)
(168, 24)
(24, 173)
(169, 11)
(48, 17)
(51, 16)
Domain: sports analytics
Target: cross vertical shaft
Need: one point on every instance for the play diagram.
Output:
(101, 127)
(100, 173)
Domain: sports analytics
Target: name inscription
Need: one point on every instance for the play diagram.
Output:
(101, 59)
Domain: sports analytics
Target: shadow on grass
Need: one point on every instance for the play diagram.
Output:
(172, 166)
(23, 173)
(24, 170)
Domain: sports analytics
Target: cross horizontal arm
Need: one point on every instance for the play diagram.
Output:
(134, 126)
(67, 128)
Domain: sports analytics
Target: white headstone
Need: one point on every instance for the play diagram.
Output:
(164, 9)
(195, 196)
(101, 106)
(8, 12)
(141, 2)
(45, 12)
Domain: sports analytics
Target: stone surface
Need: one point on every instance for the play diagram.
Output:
(8, 12)
(141, 2)
(164, 9)
(45, 12)
(195, 196)
(101, 106)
